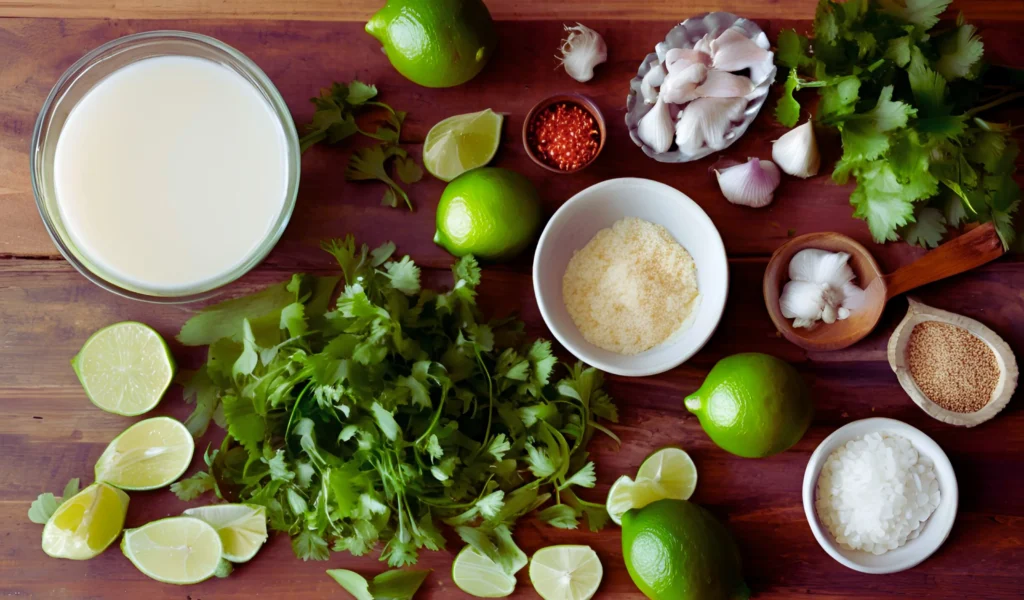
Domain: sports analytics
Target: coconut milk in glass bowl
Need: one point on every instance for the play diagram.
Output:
(165, 165)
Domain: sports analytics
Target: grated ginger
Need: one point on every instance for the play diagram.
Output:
(631, 287)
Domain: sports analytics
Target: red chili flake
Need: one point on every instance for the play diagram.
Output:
(564, 136)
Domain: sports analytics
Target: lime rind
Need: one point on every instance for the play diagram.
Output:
(112, 465)
(479, 576)
(566, 572)
(188, 542)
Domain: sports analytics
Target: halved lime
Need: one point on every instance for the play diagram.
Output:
(460, 143)
(179, 550)
(125, 368)
(566, 572)
(673, 470)
(626, 494)
(148, 455)
(479, 576)
(85, 524)
(242, 527)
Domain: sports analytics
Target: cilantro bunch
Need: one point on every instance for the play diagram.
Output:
(371, 422)
(905, 94)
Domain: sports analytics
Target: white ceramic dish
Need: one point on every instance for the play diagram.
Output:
(598, 207)
(935, 530)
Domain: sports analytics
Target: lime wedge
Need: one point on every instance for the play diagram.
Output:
(479, 576)
(673, 470)
(148, 455)
(566, 572)
(242, 528)
(125, 368)
(85, 524)
(179, 550)
(460, 143)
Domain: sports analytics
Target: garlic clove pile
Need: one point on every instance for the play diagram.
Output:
(583, 50)
(796, 152)
(655, 128)
(751, 183)
(704, 44)
(679, 86)
(733, 51)
(678, 59)
(706, 121)
(653, 79)
(722, 84)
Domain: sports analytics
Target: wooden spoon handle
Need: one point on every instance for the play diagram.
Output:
(964, 253)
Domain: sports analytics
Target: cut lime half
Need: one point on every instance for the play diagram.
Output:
(85, 524)
(672, 470)
(242, 528)
(179, 550)
(125, 368)
(461, 143)
(626, 494)
(566, 572)
(479, 576)
(148, 455)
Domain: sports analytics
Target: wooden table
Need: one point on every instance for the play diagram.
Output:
(49, 432)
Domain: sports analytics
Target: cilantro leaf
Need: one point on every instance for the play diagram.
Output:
(309, 545)
(370, 163)
(928, 228)
(359, 93)
(922, 13)
(787, 111)
(959, 53)
(46, 504)
(397, 585)
(224, 320)
(354, 583)
(190, 488)
(792, 49)
(864, 135)
(585, 477)
(407, 169)
(404, 276)
(561, 516)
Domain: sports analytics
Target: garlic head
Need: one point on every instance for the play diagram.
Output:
(820, 280)
(706, 121)
(655, 128)
(750, 184)
(583, 50)
(796, 152)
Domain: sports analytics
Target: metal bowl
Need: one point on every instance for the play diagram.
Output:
(685, 35)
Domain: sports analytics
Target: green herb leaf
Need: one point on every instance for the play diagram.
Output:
(190, 488)
(923, 13)
(561, 516)
(353, 582)
(46, 504)
(960, 53)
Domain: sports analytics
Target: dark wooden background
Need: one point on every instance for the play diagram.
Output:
(49, 431)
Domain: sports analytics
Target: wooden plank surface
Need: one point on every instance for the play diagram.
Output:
(49, 432)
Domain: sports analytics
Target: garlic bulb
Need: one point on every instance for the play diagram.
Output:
(751, 184)
(653, 79)
(734, 51)
(583, 50)
(706, 121)
(678, 59)
(655, 128)
(721, 84)
(679, 86)
(796, 152)
(821, 288)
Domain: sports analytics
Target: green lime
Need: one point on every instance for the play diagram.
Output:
(85, 524)
(125, 368)
(148, 455)
(242, 528)
(489, 212)
(479, 576)
(179, 550)
(566, 572)
(753, 405)
(676, 550)
(460, 143)
(435, 43)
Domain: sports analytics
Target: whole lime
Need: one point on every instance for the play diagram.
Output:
(435, 43)
(489, 212)
(676, 550)
(753, 405)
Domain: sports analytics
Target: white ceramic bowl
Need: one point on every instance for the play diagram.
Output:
(597, 208)
(935, 530)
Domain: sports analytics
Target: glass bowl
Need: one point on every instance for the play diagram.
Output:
(82, 77)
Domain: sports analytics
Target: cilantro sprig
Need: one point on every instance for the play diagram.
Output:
(906, 95)
(371, 421)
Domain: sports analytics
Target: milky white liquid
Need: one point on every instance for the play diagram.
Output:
(169, 174)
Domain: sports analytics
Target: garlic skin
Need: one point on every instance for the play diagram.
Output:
(655, 128)
(653, 79)
(733, 51)
(679, 87)
(706, 121)
(583, 50)
(796, 152)
(750, 184)
(821, 288)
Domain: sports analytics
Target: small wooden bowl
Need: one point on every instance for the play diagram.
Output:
(1008, 373)
(587, 104)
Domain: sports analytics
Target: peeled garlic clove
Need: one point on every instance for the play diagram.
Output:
(583, 50)
(678, 59)
(704, 44)
(653, 79)
(750, 184)
(722, 84)
(796, 152)
(802, 300)
(655, 128)
(734, 51)
(706, 121)
(679, 86)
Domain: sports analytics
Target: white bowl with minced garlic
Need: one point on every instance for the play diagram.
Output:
(631, 276)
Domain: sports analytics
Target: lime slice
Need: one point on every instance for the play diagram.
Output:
(479, 576)
(460, 143)
(242, 528)
(148, 455)
(85, 524)
(179, 550)
(566, 572)
(673, 470)
(125, 368)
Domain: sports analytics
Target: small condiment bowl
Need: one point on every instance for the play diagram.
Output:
(597, 208)
(586, 104)
(935, 529)
(1008, 373)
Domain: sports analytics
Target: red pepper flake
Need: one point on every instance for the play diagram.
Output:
(564, 136)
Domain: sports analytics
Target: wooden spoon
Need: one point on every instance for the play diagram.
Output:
(973, 249)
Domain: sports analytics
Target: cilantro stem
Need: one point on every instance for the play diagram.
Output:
(490, 404)
(437, 416)
(995, 103)
(294, 411)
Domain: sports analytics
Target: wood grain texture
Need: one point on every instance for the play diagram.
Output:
(49, 432)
